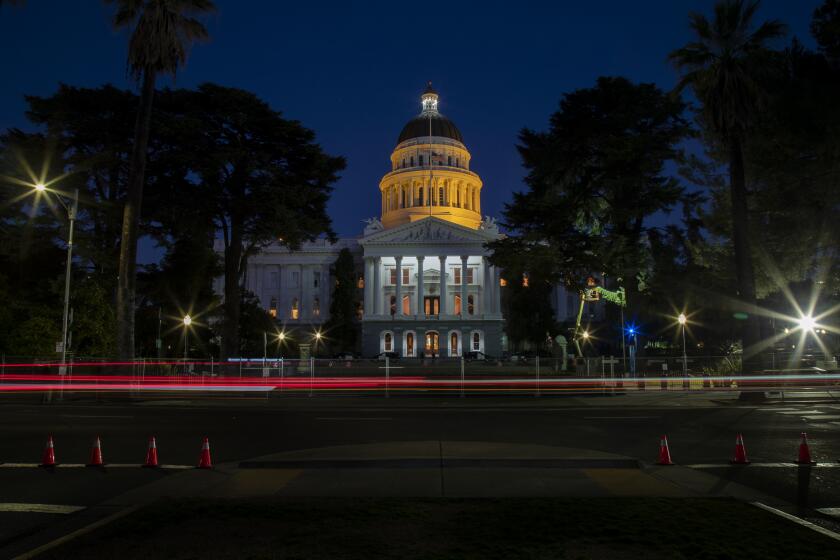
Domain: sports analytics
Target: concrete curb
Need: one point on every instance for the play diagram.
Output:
(821, 530)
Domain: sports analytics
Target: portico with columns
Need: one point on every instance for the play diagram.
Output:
(430, 290)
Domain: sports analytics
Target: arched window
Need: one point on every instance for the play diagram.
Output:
(389, 342)
(471, 305)
(453, 344)
(409, 344)
(476, 341)
(295, 314)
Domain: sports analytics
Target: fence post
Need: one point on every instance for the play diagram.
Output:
(311, 375)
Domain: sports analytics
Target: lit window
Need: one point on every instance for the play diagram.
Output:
(453, 345)
(502, 282)
(272, 309)
(360, 310)
(295, 309)
(525, 280)
(470, 305)
(389, 342)
(361, 282)
(476, 337)
(457, 305)
(406, 305)
(316, 307)
(409, 344)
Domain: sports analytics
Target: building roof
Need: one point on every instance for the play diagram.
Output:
(418, 127)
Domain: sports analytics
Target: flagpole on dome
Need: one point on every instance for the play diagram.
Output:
(431, 176)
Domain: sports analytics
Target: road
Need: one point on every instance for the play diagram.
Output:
(701, 431)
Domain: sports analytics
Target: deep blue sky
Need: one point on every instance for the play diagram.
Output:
(353, 73)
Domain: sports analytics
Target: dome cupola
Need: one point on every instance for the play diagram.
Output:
(430, 172)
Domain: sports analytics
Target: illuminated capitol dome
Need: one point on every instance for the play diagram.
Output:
(430, 172)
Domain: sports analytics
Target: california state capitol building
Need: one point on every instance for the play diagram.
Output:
(425, 284)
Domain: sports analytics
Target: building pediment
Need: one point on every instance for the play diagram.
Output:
(430, 231)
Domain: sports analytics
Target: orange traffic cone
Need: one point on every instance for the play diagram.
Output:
(151, 454)
(804, 452)
(664, 452)
(740, 452)
(49, 454)
(204, 461)
(96, 454)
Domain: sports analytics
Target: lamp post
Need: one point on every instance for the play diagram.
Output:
(187, 322)
(682, 320)
(72, 210)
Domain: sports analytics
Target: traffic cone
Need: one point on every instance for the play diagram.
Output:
(96, 454)
(804, 452)
(204, 461)
(48, 459)
(664, 452)
(740, 452)
(151, 454)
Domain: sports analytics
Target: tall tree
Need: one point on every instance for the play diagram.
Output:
(825, 27)
(720, 68)
(342, 326)
(258, 178)
(161, 33)
(593, 178)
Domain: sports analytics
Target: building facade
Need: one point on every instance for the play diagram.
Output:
(425, 284)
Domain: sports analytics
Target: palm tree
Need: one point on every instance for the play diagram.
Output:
(161, 33)
(720, 68)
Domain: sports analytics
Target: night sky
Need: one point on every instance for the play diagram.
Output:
(354, 73)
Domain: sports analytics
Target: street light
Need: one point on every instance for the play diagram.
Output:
(807, 323)
(72, 210)
(682, 320)
(187, 322)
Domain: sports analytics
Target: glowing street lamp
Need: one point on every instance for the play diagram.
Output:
(72, 210)
(682, 319)
(187, 322)
(807, 323)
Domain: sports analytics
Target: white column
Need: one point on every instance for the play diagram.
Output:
(497, 290)
(368, 286)
(326, 290)
(399, 286)
(464, 285)
(377, 286)
(420, 310)
(442, 285)
(485, 289)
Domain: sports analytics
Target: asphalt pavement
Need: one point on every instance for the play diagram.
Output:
(701, 431)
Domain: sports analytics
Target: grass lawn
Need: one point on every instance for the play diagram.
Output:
(598, 528)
